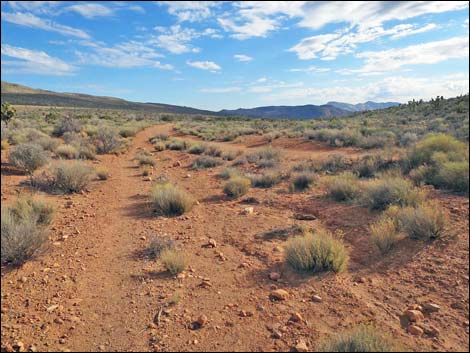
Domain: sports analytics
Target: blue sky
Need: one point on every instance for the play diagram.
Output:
(215, 55)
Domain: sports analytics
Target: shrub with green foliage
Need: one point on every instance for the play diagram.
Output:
(359, 339)
(177, 145)
(302, 181)
(237, 186)
(71, 177)
(229, 172)
(384, 234)
(267, 157)
(343, 187)
(67, 152)
(107, 140)
(169, 200)
(427, 221)
(174, 261)
(28, 156)
(265, 180)
(316, 252)
(206, 162)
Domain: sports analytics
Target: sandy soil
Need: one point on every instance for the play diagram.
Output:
(95, 290)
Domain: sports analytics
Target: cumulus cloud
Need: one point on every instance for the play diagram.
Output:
(33, 62)
(204, 65)
(242, 57)
(91, 10)
(190, 11)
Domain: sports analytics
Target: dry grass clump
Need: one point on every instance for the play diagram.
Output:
(177, 145)
(67, 152)
(158, 245)
(144, 158)
(359, 339)
(228, 173)
(343, 187)
(71, 177)
(23, 232)
(237, 186)
(267, 157)
(174, 261)
(385, 234)
(204, 162)
(316, 252)
(302, 181)
(265, 180)
(159, 146)
(107, 140)
(102, 173)
(427, 221)
(169, 200)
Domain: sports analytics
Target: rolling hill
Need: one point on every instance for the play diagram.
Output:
(290, 112)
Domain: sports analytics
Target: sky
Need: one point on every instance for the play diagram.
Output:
(226, 55)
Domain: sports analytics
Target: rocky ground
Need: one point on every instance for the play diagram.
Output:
(94, 289)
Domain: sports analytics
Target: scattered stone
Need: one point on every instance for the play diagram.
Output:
(212, 243)
(244, 313)
(274, 276)
(23, 279)
(177, 164)
(414, 315)
(248, 211)
(432, 330)
(301, 346)
(296, 317)
(19, 347)
(431, 307)
(202, 320)
(317, 299)
(279, 294)
(143, 237)
(304, 217)
(58, 321)
(415, 330)
(52, 308)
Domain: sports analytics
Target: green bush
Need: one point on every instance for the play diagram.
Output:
(177, 145)
(316, 252)
(359, 339)
(391, 190)
(169, 200)
(265, 180)
(29, 157)
(107, 140)
(267, 157)
(453, 176)
(384, 234)
(228, 173)
(343, 187)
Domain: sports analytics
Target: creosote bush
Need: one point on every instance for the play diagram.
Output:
(316, 252)
(174, 261)
(237, 186)
(169, 200)
(359, 339)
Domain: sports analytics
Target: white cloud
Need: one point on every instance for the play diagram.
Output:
(329, 46)
(221, 90)
(204, 65)
(311, 68)
(91, 10)
(32, 21)
(242, 57)
(190, 11)
(396, 88)
(176, 39)
(38, 7)
(130, 54)
(250, 26)
(426, 53)
(33, 62)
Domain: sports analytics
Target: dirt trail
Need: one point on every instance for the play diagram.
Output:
(107, 293)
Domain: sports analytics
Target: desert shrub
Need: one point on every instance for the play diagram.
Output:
(28, 156)
(128, 131)
(146, 170)
(453, 176)
(213, 151)
(359, 339)
(102, 173)
(408, 139)
(158, 245)
(384, 234)
(144, 158)
(106, 140)
(87, 151)
(5, 144)
(174, 261)
(426, 221)
(48, 143)
(335, 163)
(67, 152)
(267, 157)
(237, 186)
(68, 125)
(265, 180)
(177, 145)
(302, 181)
(228, 173)
(391, 190)
(368, 166)
(230, 155)
(199, 148)
(28, 207)
(159, 146)
(26, 135)
(71, 177)
(206, 162)
(169, 200)
(316, 252)
(343, 187)
(158, 138)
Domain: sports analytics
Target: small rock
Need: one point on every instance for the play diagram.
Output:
(301, 346)
(296, 317)
(317, 299)
(415, 330)
(177, 164)
(202, 320)
(143, 237)
(212, 243)
(58, 321)
(432, 330)
(279, 294)
(274, 276)
(414, 315)
(248, 210)
(431, 307)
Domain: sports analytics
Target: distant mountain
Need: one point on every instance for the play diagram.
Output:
(23, 95)
(290, 112)
(363, 106)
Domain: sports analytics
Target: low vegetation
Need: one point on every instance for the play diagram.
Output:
(343, 187)
(302, 181)
(237, 186)
(316, 252)
(28, 157)
(169, 200)
(158, 245)
(70, 177)
(204, 162)
(174, 261)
